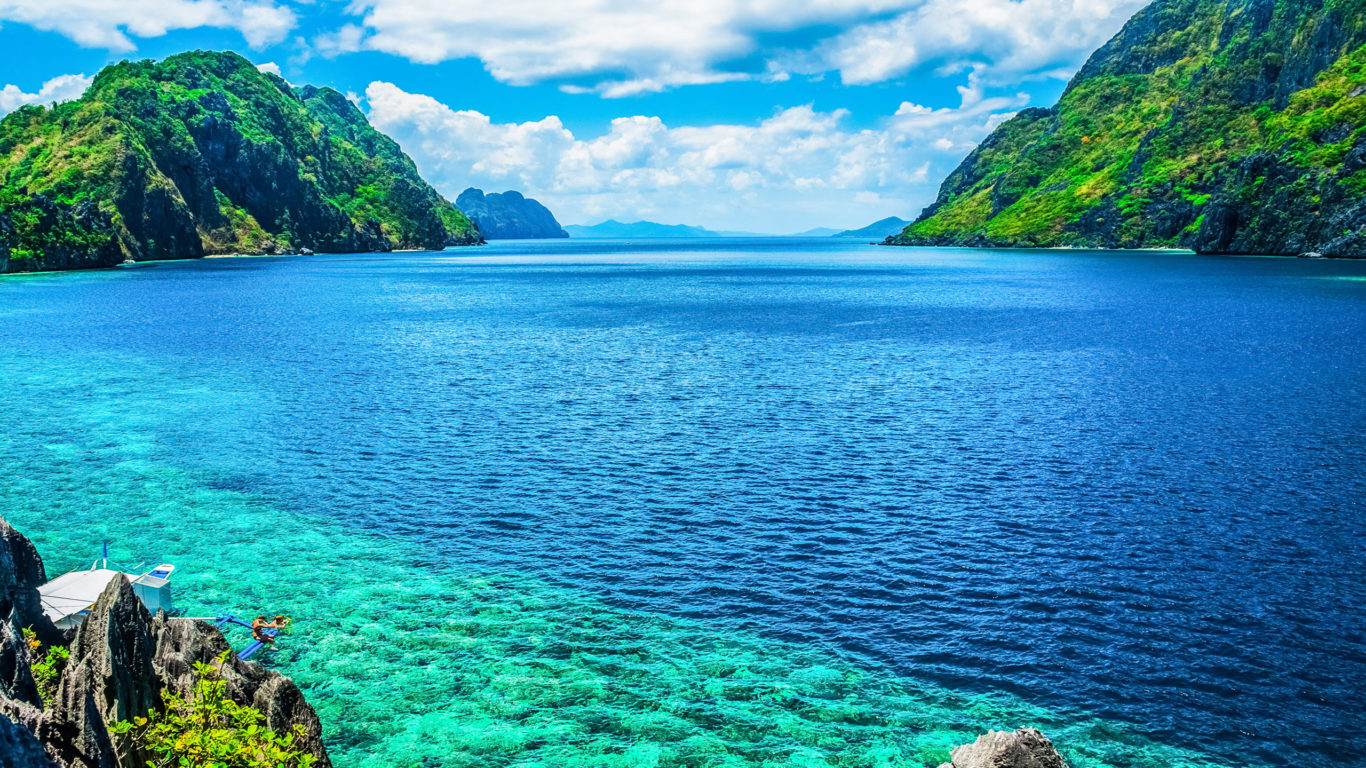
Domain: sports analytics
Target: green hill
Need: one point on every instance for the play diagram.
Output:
(199, 154)
(1227, 126)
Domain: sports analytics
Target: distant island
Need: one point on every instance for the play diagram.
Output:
(645, 229)
(508, 215)
(1225, 127)
(879, 229)
(614, 228)
(200, 154)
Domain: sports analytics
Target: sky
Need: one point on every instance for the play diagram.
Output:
(759, 115)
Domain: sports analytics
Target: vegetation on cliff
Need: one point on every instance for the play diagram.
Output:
(205, 728)
(202, 153)
(1235, 126)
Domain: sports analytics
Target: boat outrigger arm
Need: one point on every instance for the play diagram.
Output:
(256, 645)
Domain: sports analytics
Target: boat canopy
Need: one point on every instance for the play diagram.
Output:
(68, 598)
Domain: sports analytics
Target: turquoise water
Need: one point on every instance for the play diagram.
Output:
(728, 504)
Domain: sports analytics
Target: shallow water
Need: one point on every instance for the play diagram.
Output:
(731, 503)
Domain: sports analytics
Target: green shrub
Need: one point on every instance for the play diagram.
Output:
(47, 669)
(206, 729)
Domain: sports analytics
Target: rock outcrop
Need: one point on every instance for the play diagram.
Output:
(508, 215)
(19, 748)
(122, 659)
(1025, 748)
(1224, 126)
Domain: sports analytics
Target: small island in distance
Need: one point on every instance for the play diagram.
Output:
(509, 215)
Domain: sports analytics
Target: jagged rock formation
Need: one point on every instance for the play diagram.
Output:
(1025, 748)
(199, 154)
(19, 748)
(508, 216)
(122, 660)
(1226, 126)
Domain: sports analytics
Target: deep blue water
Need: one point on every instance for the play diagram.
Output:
(1126, 484)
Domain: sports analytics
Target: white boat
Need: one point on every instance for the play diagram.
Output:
(68, 598)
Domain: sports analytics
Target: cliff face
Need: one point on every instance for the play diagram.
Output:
(201, 153)
(121, 661)
(508, 216)
(1226, 126)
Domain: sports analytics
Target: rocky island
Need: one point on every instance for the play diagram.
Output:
(202, 153)
(508, 215)
(1224, 127)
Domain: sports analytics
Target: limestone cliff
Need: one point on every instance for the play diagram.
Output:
(508, 215)
(1225, 126)
(201, 153)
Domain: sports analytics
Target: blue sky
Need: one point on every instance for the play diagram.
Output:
(761, 115)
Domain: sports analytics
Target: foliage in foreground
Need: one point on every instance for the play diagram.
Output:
(46, 667)
(206, 729)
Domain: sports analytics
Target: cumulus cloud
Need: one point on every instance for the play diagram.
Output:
(58, 89)
(113, 23)
(652, 45)
(1001, 38)
(779, 174)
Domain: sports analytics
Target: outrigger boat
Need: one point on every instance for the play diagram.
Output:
(256, 645)
(68, 598)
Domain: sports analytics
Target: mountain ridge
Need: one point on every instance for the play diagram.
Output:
(1222, 126)
(880, 228)
(201, 153)
(614, 228)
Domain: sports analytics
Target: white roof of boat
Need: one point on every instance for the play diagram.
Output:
(74, 592)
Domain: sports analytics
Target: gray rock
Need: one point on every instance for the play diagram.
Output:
(19, 748)
(16, 677)
(21, 573)
(113, 651)
(1025, 748)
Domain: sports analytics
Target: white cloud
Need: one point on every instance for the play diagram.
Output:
(1002, 39)
(913, 118)
(113, 23)
(795, 169)
(651, 45)
(60, 88)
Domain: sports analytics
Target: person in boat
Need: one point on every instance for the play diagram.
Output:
(260, 625)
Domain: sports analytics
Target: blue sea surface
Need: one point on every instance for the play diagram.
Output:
(732, 502)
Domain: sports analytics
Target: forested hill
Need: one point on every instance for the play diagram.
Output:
(199, 154)
(1227, 126)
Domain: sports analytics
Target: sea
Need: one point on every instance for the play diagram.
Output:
(731, 502)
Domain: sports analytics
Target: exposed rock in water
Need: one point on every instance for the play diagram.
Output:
(509, 215)
(122, 659)
(1025, 748)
